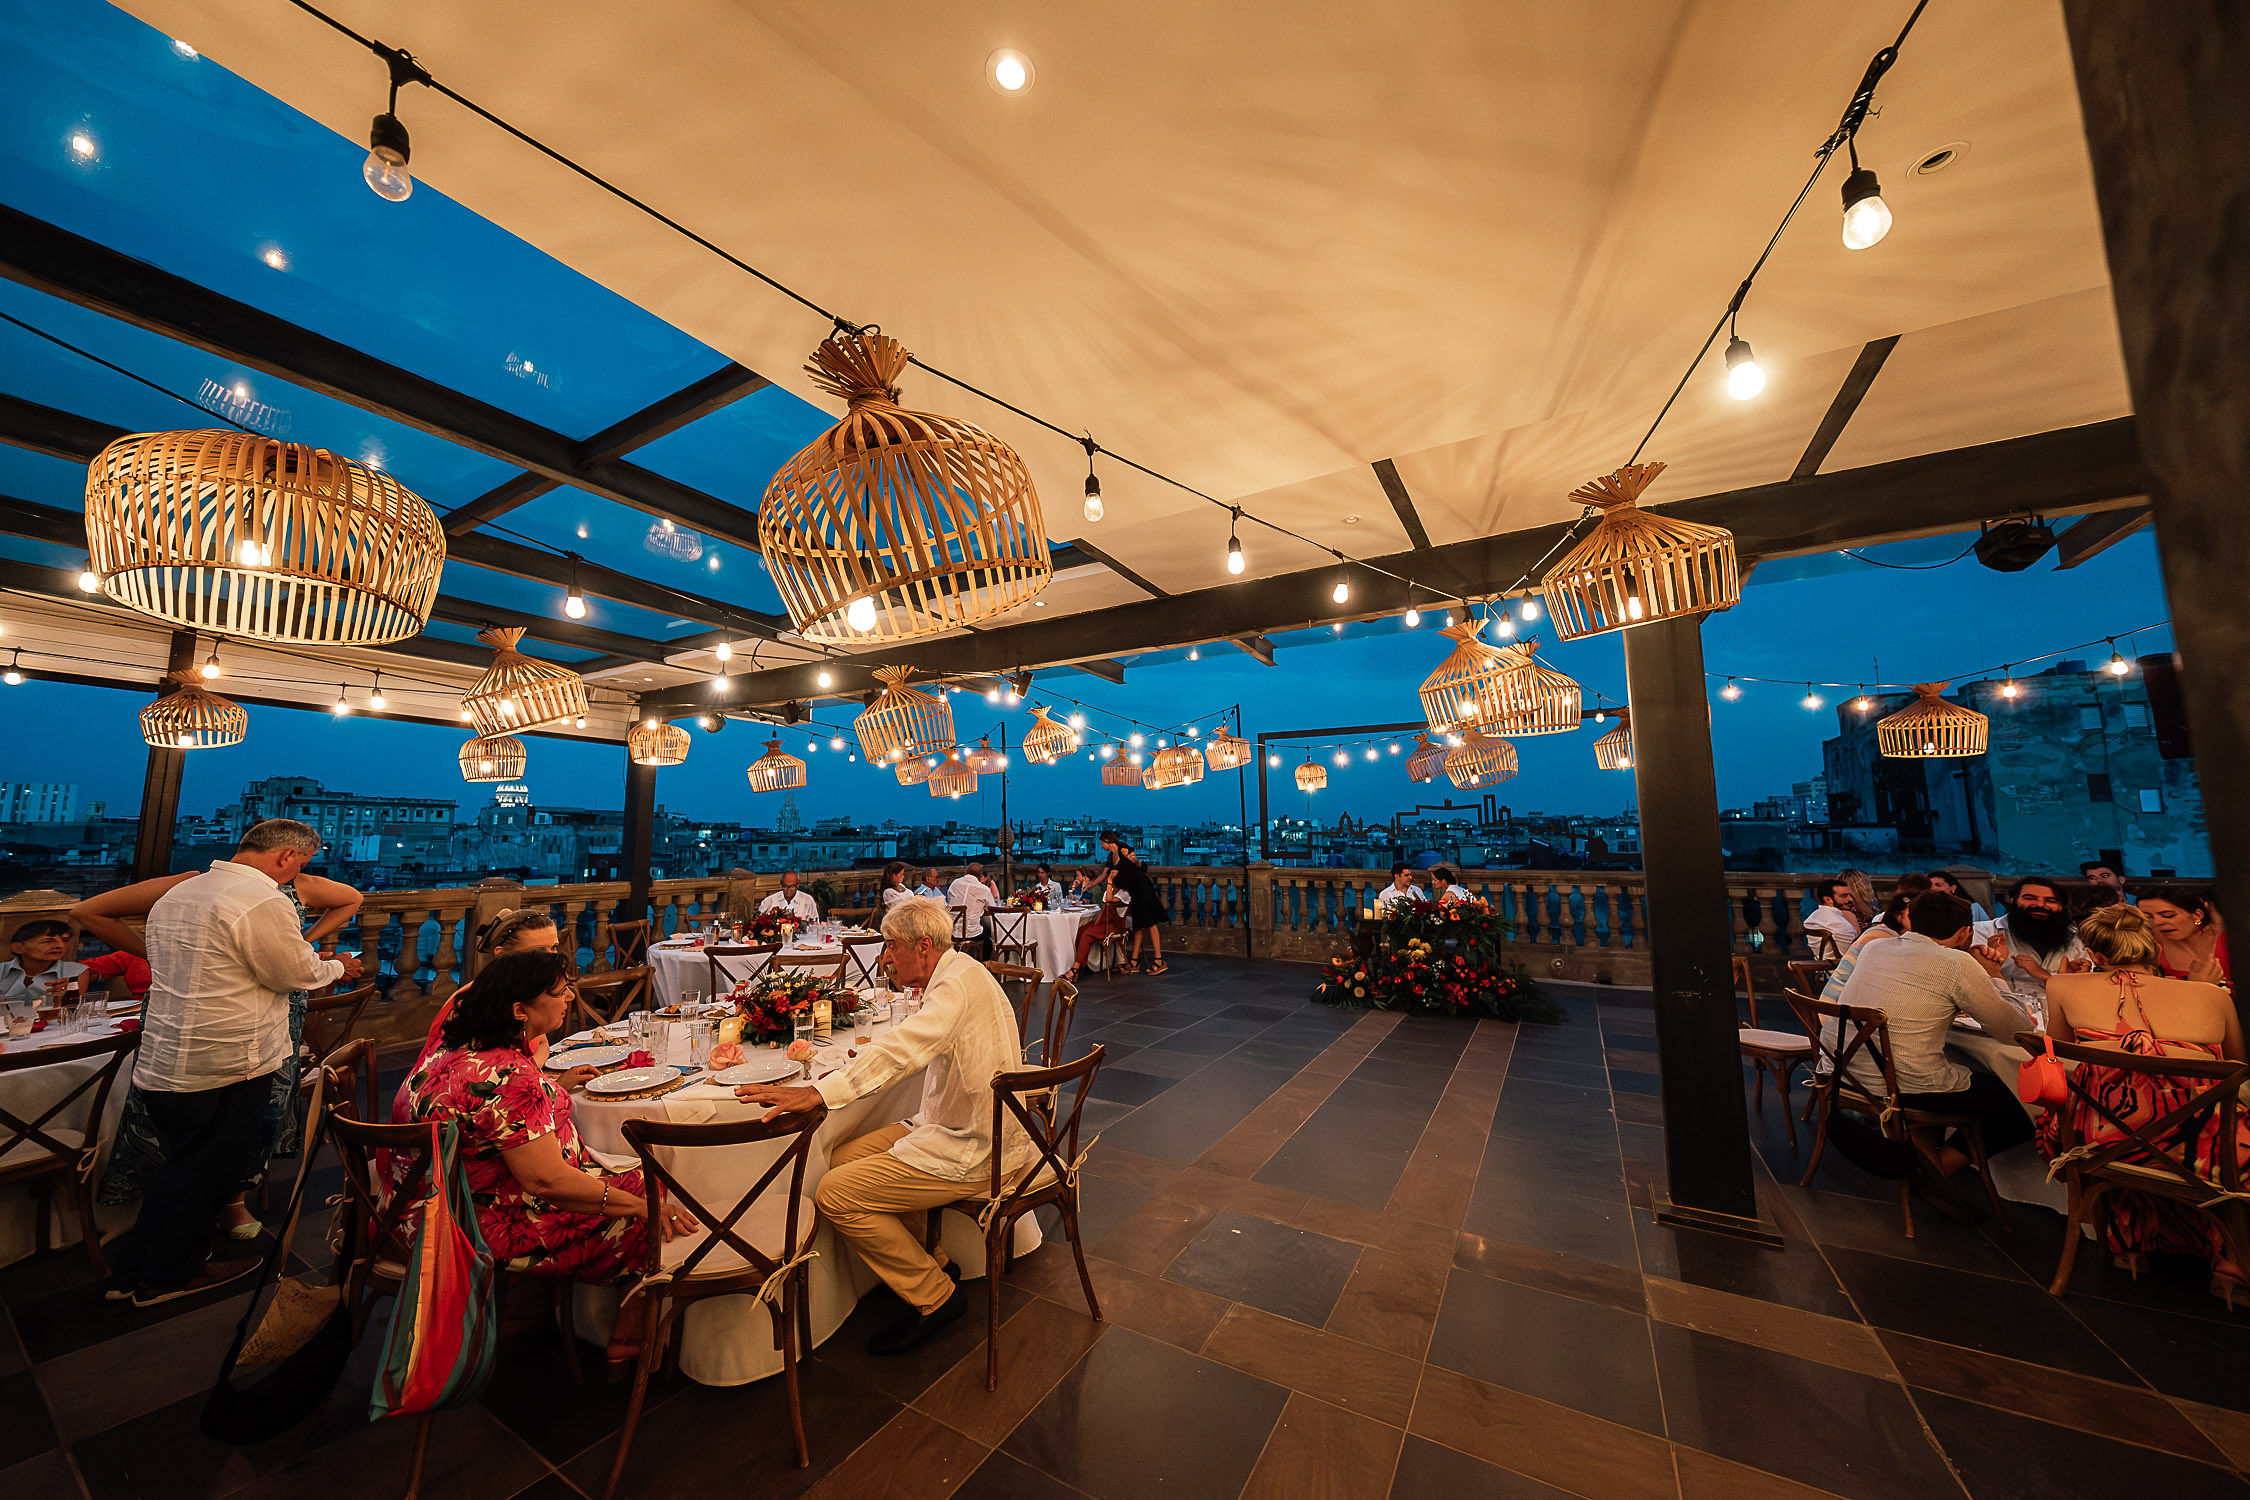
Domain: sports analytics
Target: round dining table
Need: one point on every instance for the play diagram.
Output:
(729, 1340)
(1053, 935)
(28, 1093)
(2019, 1174)
(679, 964)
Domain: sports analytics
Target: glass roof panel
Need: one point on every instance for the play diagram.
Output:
(632, 541)
(734, 452)
(464, 581)
(109, 130)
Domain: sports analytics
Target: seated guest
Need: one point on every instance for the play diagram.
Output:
(1049, 888)
(1940, 881)
(2128, 1005)
(508, 931)
(1921, 980)
(2105, 884)
(1448, 888)
(894, 884)
(974, 895)
(545, 1207)
(2031, 942)
(2192, 941)
(1831, 926)
(1889, 924)
(1113, 918)
(878, 1185)
(1401, 888)
(1085, 883)
(38, 967)
(929, 886)
(798, 904)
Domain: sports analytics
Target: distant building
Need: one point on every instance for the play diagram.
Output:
(40, 802)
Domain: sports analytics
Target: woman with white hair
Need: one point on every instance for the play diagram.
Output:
(964, 1033)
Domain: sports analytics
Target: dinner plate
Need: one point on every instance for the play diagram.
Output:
(587, 1057)
(631, 1080)
(770, 1069)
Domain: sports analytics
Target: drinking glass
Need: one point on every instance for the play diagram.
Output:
(802, 1021)
(20, 1018)
(636, 1023)
(690, 998)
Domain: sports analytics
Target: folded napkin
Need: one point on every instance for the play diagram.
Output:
(693, 1091)
(616, 1161)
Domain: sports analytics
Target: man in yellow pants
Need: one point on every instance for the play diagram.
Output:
(964, 1033)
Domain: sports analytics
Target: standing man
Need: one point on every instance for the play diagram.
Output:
(798, 904)
(964, 1034)
(975, 896)
(2105, 885)
(224, 951)
(1831, 927)
(2032, 942)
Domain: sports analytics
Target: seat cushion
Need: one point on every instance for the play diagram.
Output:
(1774, 1041)
(763, 1226)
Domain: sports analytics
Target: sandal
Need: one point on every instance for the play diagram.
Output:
(1125, 966)
(1159, 967)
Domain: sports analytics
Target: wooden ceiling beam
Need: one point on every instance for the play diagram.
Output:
(1256, 646)
(1403, 504)
(2096, 534)
(1840, 410)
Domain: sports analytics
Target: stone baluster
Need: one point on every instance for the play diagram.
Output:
(408, 986)
(442, 981)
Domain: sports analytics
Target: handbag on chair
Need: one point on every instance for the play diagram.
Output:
(2041, 1080)
(445, 1325)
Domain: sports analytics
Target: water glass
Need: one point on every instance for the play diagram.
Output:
(637, 1024)
(20, 1018)
(690, 998)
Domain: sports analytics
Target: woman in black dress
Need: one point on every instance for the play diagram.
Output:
(1146, 913)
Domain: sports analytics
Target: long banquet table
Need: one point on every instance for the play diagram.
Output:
(729, 1340)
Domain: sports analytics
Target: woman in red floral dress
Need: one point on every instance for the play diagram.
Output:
(545, 1207)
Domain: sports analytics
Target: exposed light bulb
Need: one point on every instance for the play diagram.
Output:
(83, 146)
(721, 683)
(1861, 703)
(1013, 698)
(2008, 689)
(1599, 716)
(826, 679)
(837, 743)
(2118, 665)
(724, 651)
(1812, 699)
(1744, 378)
(579, 722)
(387, 152)
(1371, 755)
(378, 702)
(1093, 493)
(1195, 653)
(341, 706)
(211, 667)
(1394, 747)
(1867, 218)
(1413, 618)
(1078, 721)
(1530, 610)
(1108, 751)
(88, 579)
(574, 604)
(1273, 760)
(1134, 740)
(1163, 743)
(1342, 593)
(184, 740)
(1730, 692)
(1505, 627)
(1009, 71)
(860, 614)
(13, 677)
(1234, 554)
(466, 716)
(1135, 757)
(1342, 759)
(992, 695)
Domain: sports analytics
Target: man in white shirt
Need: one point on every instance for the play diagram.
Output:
(39, 946)
(1049, 888)
(930, 887)
(964, 1033)
(798, 904)
(1921, 980)
(2033, 941)
(224, 950)
(974, 895)
(1401, 888)
(1831, 927)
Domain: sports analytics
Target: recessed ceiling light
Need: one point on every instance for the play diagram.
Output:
(1038, 604)
(1351, 520)
(1943, 157)
(82, 146)
(1009, 71)
(275, 257)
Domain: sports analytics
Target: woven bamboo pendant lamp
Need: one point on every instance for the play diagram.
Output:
(894, 523)
(492, 757)
(1049, 740)
(1930, 728)
(952, 779)
(1480, 760)
(1311, 776)
(1534, 698)
(1426, 761)
(915, 769)
(982, 758)
(1465, 687)
(1120, 772)
(1614, 750)
(1227, 751)
(1634, 567)
(652, 742)
(260, 540)
(192, 717)
(1176, 765)
(521, 692)
(775, 771)
(903, 721)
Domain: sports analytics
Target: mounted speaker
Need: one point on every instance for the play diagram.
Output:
(2012, 546)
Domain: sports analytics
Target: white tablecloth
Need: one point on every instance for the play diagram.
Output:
(28, 1094)
(674, 966)
(2020, 1172)
(729, 1340)
(1054, 937)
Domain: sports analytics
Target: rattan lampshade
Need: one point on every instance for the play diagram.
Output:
(1120, 772)
(982, 758)
(1480, 760)
(915, 769)
(1534, 698)
(1614, 750)
(1176, 765)
(775, 771)
(492, 757)
(1048, 740)
(1227, 751)
(1930, 728)
(1465, 687)
(521, 692)
(192, 717)
(1634, 567)
(952, 779)
(894, 523)
(261, 540)
(652, 742)
(903, 721)
(1311, 776)
(1426, 761)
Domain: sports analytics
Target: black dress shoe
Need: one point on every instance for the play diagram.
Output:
(917, 1328)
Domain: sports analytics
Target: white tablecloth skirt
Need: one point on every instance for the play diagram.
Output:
(673, 968)
(2020, 1172)
(28, 1094)
(1052, 934)
(729, 1340)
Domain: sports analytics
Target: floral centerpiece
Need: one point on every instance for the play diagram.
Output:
(769, 1004)
(1031, 898)
(775, 926)
(1434, 959)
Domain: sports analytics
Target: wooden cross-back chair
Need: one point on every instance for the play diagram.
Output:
(331, 1019)
(1812, 974)
(831, 964)
(1007, 934)
(851, 914)
(606, 998)
(1036, 1099)
(1863, 1032)
(2162, 1157)
(38, 1151)
(1772, 1054)
(731, 963)
(628, 943)
(750, 1248)
(860, 961)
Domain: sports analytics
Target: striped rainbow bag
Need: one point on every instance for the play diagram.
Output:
(446, 1322)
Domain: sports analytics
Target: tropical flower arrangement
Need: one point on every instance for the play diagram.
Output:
(769, 1004)
(774, 926)
(1030, 899)
(1434, 959)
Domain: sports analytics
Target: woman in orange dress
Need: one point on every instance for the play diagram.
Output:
(2129, 1005)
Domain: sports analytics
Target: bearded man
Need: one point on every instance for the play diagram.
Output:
(2034, 940)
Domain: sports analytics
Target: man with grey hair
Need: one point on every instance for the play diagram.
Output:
(964, 1033)
(225, 948)
(792, 901)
